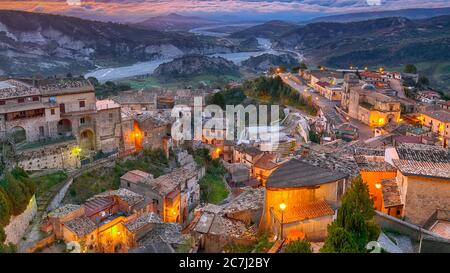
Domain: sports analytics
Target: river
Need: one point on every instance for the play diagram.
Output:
(143, 68)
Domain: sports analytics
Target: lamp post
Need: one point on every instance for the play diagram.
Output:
(282, 208)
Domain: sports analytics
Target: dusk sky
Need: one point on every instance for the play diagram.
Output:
(136, 10)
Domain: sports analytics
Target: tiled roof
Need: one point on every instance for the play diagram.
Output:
(295, 174)
(422, 152)
(81, 226)
(136, 176)
(371, 164)
(250, 150)
(15, 89)
(63, 210)
(98, 204)
(391, 193)
(306, 211)
(251, 199)
(423, 168)
(266, 162)
(130, 97)
(128, 196)
(407, 139)
(441, 115)
(142, 221)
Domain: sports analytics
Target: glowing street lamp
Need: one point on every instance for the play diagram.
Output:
(282, 208)
(378, 186)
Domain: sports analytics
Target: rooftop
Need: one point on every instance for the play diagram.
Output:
(306, 211)
(250, 199)
(63, 210)
(142, 221)
(106, 104)
(81, 226)
(97, 204)
(61, 86)
(423, 168)
(128, 196)
(133, 96)
(136, 176)
(391, 193)
(423, 153)
(296, 173)
(250, 150)
(441, 115)
(15, 89)
(266, 162)
(373, 164)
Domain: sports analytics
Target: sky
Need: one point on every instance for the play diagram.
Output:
(137, 10)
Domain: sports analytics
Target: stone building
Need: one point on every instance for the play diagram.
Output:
(438, 121)
(109, 222)
(422, 184)
(371, 107)
(36, 113)
(136, 100)
(311, 196)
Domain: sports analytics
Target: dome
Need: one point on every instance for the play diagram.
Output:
(368, 87)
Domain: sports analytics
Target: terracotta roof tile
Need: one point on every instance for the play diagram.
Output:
(391, 193)
(306, 211)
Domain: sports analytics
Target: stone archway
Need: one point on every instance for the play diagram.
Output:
(64, 127)
(87, 140)
(390, 118)
(18, 134)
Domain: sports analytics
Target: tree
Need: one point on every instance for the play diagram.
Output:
(423, 81)
(410, 68)
(339, 240)
(218, 99)
(93, 81)
(15, 190)
(298, 246)
(354, 226)
(5, 208)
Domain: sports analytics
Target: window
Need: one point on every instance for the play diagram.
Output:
(128, 184)
(62, 108)
(21, 100)
(82, 121)
(52, 111)
(2, 102)
(41, 131)
(35, 98)
(52, 100)
(82, 103)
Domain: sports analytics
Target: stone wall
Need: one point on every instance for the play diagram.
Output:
(18, 225)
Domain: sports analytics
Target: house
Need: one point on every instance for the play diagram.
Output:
(265, 166)
(36, 113)
(371, 107)
(172, 195)
(374, 170)
(438, 121)
(136, 100)
(422, 184)
(246, 154)
(429, 96)
(109, 222)
(302, 199)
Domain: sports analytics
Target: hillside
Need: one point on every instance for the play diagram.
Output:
(174, 22)
(264, 62)
(269, 30)
(363, 16)
(33, 43)
(195, 65)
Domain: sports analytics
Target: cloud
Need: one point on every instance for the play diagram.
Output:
(129, 10)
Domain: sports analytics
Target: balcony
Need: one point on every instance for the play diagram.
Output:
(74, 110)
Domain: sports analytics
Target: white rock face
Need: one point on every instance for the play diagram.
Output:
(18, 225)
(3, 28)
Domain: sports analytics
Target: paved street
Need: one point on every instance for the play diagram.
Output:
(365, 132)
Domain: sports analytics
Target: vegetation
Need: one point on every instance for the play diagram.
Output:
(354, 226)
(261, 245)
(108, 88)
(410, 68)
(298, 246)
(16, 190)
(48, 182)
(273, 90)
(108, 178)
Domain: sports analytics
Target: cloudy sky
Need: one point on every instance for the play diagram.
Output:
(135, 10)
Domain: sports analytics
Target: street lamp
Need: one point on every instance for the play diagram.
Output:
(282, 208)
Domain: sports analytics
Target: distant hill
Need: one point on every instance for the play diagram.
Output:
(390, 42)
(263, 62)
(195, 65)
(269, 30)
(34, 43)
(174, 22)
(418, 13)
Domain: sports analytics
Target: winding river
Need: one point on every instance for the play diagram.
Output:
(143, 68)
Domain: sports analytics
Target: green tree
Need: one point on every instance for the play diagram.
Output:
(410, 68)
(5, 208)
(355, 217)
(218, 99)
(15, 190)
(423, 81)
(298, 246)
